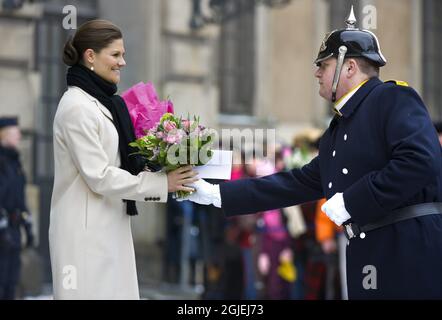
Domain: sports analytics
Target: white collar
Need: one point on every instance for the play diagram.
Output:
(344, 99)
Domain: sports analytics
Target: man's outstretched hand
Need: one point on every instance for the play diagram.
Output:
(206, 193)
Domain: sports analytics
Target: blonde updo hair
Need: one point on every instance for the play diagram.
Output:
(94, 34)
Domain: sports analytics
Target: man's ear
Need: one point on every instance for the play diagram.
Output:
(351, 67)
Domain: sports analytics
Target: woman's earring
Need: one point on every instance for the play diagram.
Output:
(92, 68)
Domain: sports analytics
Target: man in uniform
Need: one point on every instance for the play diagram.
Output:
(13, 209)
(379, 166)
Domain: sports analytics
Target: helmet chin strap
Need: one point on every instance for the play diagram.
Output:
(341, 56)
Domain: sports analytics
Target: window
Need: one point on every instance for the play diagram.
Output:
(237, 59)
(432, 57)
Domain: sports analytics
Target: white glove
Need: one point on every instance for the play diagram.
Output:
(206, 193)
(334, 208)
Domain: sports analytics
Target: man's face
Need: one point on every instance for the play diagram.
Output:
(11, 137)
(325, 74)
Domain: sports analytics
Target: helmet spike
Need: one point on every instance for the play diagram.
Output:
(351, 20)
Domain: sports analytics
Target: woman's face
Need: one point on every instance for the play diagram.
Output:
(108, 62)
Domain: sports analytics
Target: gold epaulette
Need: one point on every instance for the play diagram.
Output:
(398, 82)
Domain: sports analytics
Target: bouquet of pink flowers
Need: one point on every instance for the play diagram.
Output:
(145, 109)
(164, 139)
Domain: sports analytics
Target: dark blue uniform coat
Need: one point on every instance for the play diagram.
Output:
(383, 154)
(12, 202)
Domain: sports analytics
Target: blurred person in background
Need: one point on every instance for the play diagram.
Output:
(333, 243)
(275, 260)
(309, 258)
(240, 238)
(14, 213)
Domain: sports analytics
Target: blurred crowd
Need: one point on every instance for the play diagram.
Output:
(290, 253)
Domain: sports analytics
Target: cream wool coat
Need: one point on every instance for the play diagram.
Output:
(90, 239)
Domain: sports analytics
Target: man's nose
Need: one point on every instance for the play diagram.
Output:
(317, 73)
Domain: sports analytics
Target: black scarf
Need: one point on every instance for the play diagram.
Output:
(104, 91)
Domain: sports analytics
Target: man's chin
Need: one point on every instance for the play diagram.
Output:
(325, 96)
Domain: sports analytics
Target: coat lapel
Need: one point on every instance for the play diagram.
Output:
(104, 110)
(100, 106)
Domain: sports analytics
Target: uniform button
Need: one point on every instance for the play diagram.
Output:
(344, 171)
(146, 199)
(334, 153)
(330, 185)
(345, 137)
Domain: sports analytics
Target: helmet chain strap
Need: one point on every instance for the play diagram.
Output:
(341, 56)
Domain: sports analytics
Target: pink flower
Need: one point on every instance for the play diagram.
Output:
(175, 136)
(167, 105)
(169, 125)
(171, 139)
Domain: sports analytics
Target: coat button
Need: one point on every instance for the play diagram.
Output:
(345, 137)
(330, 185)
(145, 199)
(334, 153)
(345, 171)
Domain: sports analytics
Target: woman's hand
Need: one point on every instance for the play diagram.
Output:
(178, 178)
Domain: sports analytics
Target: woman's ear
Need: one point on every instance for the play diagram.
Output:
(89, 56)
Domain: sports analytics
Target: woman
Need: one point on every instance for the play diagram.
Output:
(96, 179)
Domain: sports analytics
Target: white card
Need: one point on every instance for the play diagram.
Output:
(219, 166)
